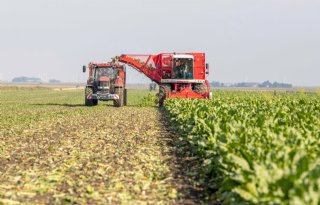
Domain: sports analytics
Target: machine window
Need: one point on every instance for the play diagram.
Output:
(183, 68)
(109, 72)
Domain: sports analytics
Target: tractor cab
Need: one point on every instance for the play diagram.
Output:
(104, 77)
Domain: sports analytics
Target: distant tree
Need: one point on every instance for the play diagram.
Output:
(265, 84)
(216, 84)
(246, 84)
(54, 81)
(24, 79)
(281, 85)
(268, 84)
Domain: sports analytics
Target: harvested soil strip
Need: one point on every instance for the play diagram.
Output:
(99, 156)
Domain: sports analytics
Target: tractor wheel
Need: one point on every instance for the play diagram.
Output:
(163, 91)
(89, 102)
(125, 99)
(119, 102)
(200, 88)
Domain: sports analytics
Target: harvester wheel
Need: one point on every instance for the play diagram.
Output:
(89, 102)
(200, 88)
(119, 102)
(163, 91)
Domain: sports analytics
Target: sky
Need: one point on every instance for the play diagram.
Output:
(247, 40)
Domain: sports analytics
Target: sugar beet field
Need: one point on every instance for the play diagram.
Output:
(239, 148)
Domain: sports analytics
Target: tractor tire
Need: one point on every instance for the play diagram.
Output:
(125, 97)
(200, 88)
(89, 102)
(164, 89)
(119, 102)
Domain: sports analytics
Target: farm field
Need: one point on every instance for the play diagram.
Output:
(255, 147)
(243, 147)
(54, 150)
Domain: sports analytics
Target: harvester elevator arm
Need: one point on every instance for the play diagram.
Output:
(142, 63)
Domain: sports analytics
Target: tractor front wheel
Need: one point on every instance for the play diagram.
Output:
(125, 97)
(88, 97)
(118, 102)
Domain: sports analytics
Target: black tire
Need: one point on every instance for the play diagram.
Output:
(89, 102)
(163, 91)
(119, 102)
(200, 88)
(125, 99)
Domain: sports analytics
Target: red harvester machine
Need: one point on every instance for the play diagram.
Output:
(179, 75)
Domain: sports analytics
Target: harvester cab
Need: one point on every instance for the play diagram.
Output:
(107, 81)
(183, 66)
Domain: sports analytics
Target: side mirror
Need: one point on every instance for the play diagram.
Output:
(207, 68)
(84, 68)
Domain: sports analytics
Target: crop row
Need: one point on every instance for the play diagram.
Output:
(256, 148)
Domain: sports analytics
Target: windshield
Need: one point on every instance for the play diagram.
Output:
(183, 68)
(99, 72)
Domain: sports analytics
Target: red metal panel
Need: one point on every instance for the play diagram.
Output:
(199, 65)
(104, 78)
(186, 93)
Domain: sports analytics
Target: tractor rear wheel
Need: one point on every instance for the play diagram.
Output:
(118, 102)
(88, 97)
(163, 91)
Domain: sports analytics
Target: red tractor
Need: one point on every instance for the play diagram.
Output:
(107, 81)
(179, 75)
